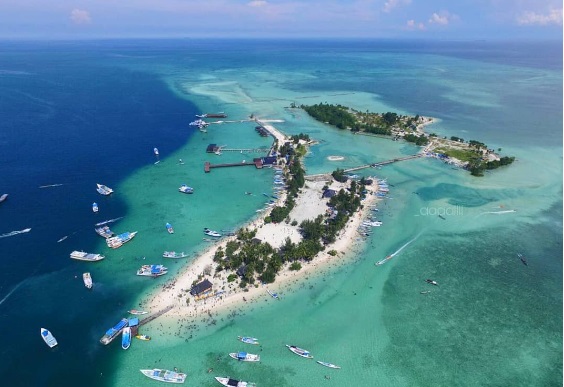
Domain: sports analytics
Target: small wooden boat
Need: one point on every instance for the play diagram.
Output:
(233, 382)
(324, 363)
(143, 337)
(299, 351)
(164, 375)
(248, 340)
(244, 356)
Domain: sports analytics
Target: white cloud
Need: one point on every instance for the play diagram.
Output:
(257, 3)
(389, 5)
(80, 16)
(442, 18)
(413, 25)
(554, 16)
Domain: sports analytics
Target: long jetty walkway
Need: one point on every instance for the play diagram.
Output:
(275, 133)
(325, 176)
(147, 320)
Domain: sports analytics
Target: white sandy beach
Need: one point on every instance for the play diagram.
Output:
(309, 205)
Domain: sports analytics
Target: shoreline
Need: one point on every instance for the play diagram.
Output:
(231, 297)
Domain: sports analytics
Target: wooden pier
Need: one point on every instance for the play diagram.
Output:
(150, 318)
(208, 166)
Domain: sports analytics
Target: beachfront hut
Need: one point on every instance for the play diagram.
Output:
(269, 160)
(202, 288)
(329, 193)
(241, 271)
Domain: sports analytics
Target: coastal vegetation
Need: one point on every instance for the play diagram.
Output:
(472, 155)
(254, 260)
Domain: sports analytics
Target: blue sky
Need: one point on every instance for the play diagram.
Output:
(431, 19)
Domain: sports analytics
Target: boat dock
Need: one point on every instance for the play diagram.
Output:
(150, 318)
(257, 163)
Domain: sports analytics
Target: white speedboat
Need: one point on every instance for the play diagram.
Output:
(383, 261)
(299, 351)
(165, 375)
(83, 256)
(48, 338)
(152, 270)
(126, 337)
(185, 189)
(244, 356)
(104, 190)
(211, 233)
(94, 207)
(432, 282)
(248, 340)
(3, 197)
(169, 228)
(137, 312)
(156, 151)
(87, 280)
(233, 382)
(324, 363)
(174, 254)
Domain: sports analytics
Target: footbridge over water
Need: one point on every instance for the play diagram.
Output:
(327, 176)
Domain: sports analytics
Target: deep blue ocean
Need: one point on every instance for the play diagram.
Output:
(74, 114)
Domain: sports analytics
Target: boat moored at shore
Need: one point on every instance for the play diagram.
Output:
(137, 312)
(211, 233)
(164, 375)
(152, 270)
(104, 232)
(126, 337)
(88, 257)
(114, 331)
(119, 240)
(173, 254)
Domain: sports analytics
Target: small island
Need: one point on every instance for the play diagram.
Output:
(472, 155)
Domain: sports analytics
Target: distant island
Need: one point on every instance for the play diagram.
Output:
(472, 155)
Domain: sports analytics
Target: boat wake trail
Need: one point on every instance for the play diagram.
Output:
(397, 251)
(404, 246)
(10, 292)
(497, 212)
(9, 234)
(50, 185)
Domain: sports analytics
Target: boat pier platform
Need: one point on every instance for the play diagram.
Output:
(150, 318)
(257, 163)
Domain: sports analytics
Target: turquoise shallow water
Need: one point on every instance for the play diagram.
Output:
(491, 320)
